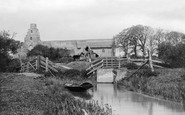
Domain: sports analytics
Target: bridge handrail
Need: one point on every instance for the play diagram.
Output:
(94, 63)
(143, 60)
(114, 62)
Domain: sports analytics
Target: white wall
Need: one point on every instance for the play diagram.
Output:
(106, 53)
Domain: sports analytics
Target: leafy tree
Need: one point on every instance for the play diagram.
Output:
(173, 55)
(173, 37)
(168, 45)
(8, 47)
(53, 54)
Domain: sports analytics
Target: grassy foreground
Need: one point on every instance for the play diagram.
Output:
(25, 95)
(168, 84)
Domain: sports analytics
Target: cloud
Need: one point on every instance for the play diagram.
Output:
(44, 5)
(88, 19)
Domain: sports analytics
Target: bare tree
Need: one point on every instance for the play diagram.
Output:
(157, 39)
(122, 41)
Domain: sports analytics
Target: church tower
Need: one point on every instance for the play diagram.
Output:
(32, 38)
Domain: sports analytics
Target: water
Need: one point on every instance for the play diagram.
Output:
(124, 102)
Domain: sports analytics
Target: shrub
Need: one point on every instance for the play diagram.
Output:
(13, 65)
(183, 77)
(8, 46)
(56, 55)
(131, 66)
(65, 59)
(72, 73)
(83, 73)
(147, 73)
(174, 55)
(168, 85)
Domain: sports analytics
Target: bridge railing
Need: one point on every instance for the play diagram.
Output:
(113, 62)
(96, 64)
(155, 62)
(105, 62)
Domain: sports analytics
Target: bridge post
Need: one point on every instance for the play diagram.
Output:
(119, 62)
(27, 67)
(46, 64)
(106, 61)
(38, 63)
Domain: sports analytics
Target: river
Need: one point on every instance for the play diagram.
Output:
(125, 102)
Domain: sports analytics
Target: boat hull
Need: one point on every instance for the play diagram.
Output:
(79, 88)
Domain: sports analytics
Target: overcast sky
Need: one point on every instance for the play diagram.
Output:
(88, 19)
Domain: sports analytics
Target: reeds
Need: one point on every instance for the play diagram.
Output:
(167, 85)
(26, 96)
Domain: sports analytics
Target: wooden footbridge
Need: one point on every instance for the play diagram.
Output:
(116, 63)
(106, 63)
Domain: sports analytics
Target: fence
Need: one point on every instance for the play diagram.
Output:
(39, 64)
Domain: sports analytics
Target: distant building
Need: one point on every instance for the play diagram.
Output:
(32, 38)
(103, 47)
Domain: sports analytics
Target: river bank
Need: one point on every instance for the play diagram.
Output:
(33, 95)
(167, 84)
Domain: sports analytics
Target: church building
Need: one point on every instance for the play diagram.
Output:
(103, 47)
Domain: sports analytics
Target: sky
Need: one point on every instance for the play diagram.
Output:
(88, 19)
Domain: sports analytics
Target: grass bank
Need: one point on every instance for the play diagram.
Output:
(27, 95)
(168, 84)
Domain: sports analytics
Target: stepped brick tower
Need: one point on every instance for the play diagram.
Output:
(32, 38)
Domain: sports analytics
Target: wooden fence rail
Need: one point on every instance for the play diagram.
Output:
(38, 63)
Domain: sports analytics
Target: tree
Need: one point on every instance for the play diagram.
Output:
(128, 39)
(173, 37)
(123, 41)
(157, 39)
(174, 55)
(52, 53)
(8, 47)
(146, 39)
(135, 34)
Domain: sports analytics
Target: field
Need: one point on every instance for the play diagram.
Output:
(168, 84)
(32, 95)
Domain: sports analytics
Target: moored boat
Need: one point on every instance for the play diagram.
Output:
(79, 88)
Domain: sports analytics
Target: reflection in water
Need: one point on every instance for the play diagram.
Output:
(151, 109)
(124, 102)
(85, 95)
